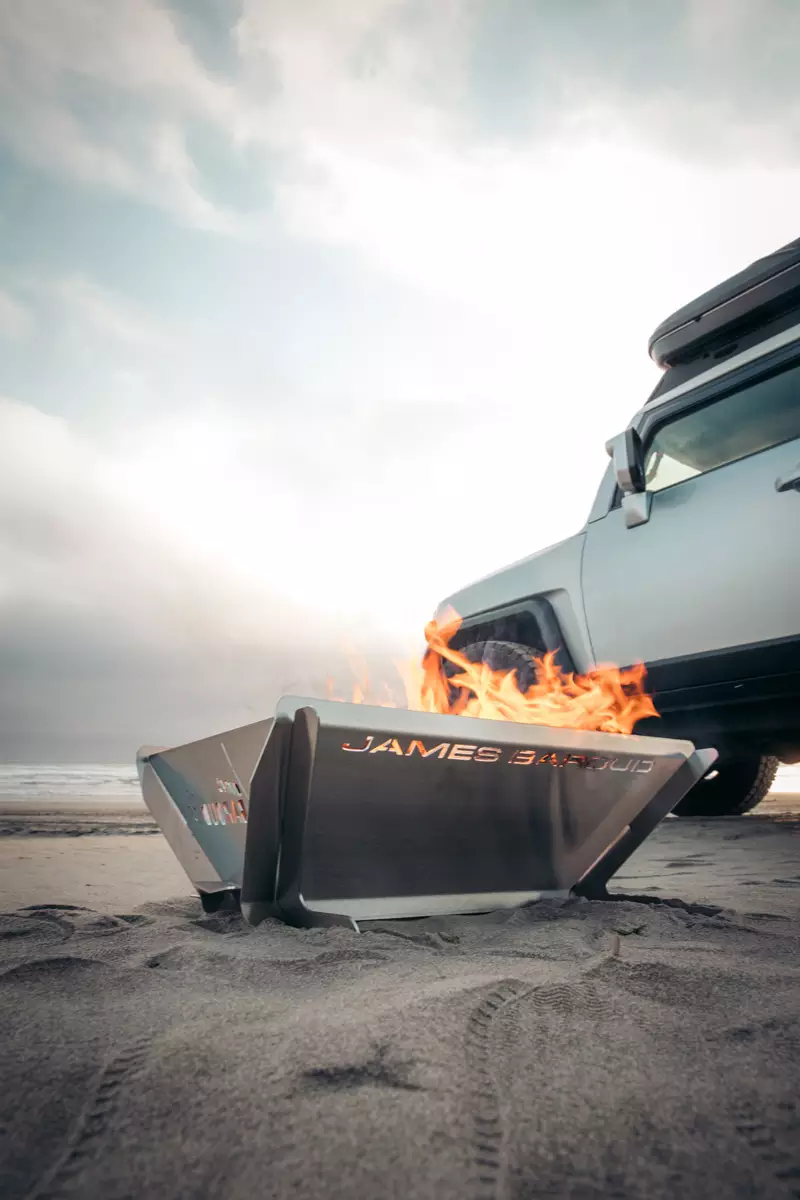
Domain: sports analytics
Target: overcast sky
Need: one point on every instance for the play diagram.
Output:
(312, 312)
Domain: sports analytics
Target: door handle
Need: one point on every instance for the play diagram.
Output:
(785, 483)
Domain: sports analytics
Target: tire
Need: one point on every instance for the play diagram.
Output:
(501, 656)
(740, 783)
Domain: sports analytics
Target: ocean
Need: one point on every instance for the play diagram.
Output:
(109, 782)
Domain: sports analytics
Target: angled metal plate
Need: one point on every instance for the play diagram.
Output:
(176, 830)
(199, 793)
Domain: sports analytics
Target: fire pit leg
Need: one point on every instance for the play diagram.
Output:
(219, 902)
(593, 885)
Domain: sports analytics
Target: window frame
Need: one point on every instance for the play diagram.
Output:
(648, 422)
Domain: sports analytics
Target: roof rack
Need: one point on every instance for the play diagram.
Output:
(767, 287)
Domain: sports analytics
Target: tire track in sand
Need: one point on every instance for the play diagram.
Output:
(91, 1126)
(772, 1132)
(488, 1134)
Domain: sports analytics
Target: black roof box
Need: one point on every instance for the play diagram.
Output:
(765, 288)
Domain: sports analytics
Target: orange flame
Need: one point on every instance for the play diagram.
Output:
(608, 700)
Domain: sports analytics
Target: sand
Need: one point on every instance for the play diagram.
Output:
(578, 1049)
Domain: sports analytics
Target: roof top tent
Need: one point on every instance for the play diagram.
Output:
(745, 308)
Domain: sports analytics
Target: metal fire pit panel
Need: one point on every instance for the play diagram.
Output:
(388, 813)
(199, 796)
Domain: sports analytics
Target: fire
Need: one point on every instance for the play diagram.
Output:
(608, 700)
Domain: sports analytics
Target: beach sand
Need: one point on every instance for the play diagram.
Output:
(578, 1049)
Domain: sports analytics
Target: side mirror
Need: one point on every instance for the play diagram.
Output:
(627, 454)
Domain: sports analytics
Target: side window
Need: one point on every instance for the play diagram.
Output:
(757, 417)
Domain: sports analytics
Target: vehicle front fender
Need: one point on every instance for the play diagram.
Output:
(548, 581)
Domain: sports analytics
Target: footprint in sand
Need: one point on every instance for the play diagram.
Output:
(51, 970)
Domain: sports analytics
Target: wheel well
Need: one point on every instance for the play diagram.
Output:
(530, 622)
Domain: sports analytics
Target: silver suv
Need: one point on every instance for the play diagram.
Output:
(690, 557)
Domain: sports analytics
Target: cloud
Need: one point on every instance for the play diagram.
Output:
(85, 306)
(126, 618)
(75, 687)
(387, 427)
(80, 526)
(91, 352)
(492, 152)
(102, 94)
(16, 319)
(701, 78)
(229, 531)
(163, 587)
(201, 108)
(282, 536)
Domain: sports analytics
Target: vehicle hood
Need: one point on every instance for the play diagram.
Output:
(554, 568)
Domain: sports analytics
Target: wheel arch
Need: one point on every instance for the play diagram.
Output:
(529, 622)
(535, 601)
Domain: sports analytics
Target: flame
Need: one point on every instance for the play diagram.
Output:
(363, 692)
(607, 699)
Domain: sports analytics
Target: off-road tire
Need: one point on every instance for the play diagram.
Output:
(741, 783)
(502, 656)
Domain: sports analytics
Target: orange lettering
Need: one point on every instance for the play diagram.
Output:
(391, 746)
(439, 750)
(523, 758)
(359, 749)
(487, 754)
(551, 758)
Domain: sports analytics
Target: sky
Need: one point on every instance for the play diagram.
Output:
(312, 313)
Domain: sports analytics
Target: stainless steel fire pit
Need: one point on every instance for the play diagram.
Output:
(335, 813)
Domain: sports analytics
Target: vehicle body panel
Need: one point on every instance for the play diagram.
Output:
(555, 575)
(683, 589)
